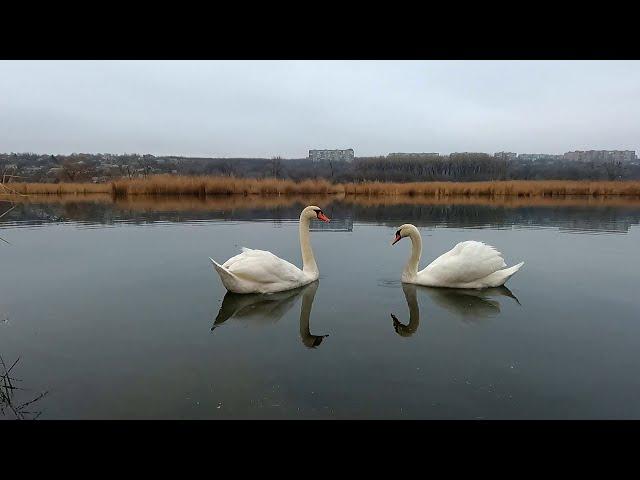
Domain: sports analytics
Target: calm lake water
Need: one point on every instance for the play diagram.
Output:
(115, 311)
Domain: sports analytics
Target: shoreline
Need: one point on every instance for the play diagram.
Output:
(232, 202)
(210, 186)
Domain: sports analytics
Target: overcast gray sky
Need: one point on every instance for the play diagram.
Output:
(266, 108)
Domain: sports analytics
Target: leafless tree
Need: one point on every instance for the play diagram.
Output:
(127, 165)
(75, 170)
(146, 163)
(227, 167)
(613, 168)
(276, 166)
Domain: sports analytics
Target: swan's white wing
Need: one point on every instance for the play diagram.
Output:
(466, 262)
(262, 267)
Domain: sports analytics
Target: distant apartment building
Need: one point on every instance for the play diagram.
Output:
(452, 154)
(538, 157)
(626, 156)
(414, 155)
(505, 155)
(331, 155)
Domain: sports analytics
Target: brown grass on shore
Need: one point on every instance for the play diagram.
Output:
(60, 188)
(204, 186)
(516, 188)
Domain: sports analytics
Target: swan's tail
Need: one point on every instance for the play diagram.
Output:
(228, 278)
(507, 273)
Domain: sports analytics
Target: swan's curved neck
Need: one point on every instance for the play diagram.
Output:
(308, 260)
(411, 268)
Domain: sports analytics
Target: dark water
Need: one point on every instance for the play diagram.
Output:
(116, 313)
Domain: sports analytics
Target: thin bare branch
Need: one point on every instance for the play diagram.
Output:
(7, 391)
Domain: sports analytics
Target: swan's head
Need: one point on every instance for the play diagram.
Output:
(404, 231)
(314, 212)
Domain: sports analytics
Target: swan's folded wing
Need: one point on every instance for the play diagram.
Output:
(466, 262)
(262, 267)
(246, 252)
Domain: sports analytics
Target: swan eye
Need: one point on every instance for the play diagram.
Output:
(398, 233)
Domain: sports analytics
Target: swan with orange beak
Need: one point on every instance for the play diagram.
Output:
(260, 271)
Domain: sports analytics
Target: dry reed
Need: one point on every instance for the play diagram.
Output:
(60, 188)
(204, 186)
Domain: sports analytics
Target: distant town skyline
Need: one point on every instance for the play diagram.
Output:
(355, 153)
(349, 155)
(286, 108)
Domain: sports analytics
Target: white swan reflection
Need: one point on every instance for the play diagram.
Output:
(467, 305)
(269, 308)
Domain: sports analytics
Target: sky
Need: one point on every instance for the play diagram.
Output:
(268, 108)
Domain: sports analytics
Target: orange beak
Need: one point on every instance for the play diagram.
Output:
(323, 217)
(397, 239)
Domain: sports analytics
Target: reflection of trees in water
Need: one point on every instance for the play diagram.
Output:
(43, 213)
(467, 305)
(596, 218)
(343, 214)
(263, 309)
(9, 405)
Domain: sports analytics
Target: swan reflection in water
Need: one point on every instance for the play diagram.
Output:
(269, 308)
(468, 305)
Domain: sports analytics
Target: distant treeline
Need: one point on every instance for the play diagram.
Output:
(30, 167)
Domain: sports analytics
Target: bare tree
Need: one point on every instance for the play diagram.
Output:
(331, 167)
(227, 167)
(126, 165)
(276, 166)
(75, 170)
(147, 162)
(613, 168)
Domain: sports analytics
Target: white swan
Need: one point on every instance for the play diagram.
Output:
(259, 271)
(469, 264)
